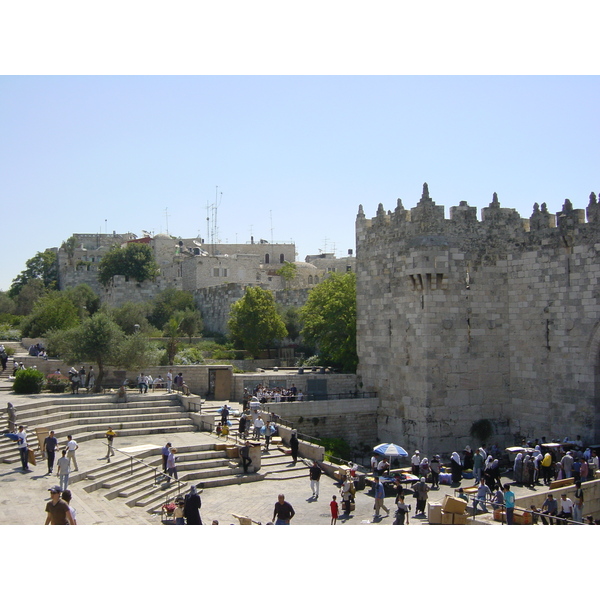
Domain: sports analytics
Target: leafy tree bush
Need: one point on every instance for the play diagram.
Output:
(329, 320)
(134, 261)
(57, 383)
(336, 448)
(43, 267)
(28, 381)
(130, 314)
(167, 303)
(254, 322)
(53, 311)
(101, 341)
(190, 322)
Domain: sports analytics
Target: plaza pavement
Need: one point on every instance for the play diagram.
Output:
(23, 496)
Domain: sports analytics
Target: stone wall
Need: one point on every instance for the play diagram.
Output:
(460, 320)
(215, 302)
(352, 419)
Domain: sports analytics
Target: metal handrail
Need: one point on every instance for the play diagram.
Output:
(132, 458)
(526, 510)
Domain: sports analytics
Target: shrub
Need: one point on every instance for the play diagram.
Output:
(336, 448)
(28, 381)
(57, 383)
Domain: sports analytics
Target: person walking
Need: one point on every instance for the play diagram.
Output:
(71, 448)
(478, 465)
(509, 503)
(315, 475)
(66, 496)
(171, 466)
(57, 509)
(335, 509)
(12, 417)
(165, 455)
(379, 499)
(63, 469)
(283, 512)
(191, 507)
(435, 465)
(294, 444)
(245, 455)
(50, 446)
(421, 489)
(110, 436)
(483, 493)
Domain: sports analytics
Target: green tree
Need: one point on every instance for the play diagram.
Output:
(167, 303)
(54, 310)
(254, 322)
(7, 305)
(291, 319)
(130, 314)
(25, 300)
(190, 322)
(171, 331)
(101, 341)
(134, 261)
(329, 320)
(288, 271)
(84, 298)
(43, 267)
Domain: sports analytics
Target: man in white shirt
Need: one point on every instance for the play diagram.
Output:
(23, 448)
(169, 381)
(71, 448)
(415, 462)
(566, 508)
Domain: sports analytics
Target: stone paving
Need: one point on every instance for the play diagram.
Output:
(23, 495)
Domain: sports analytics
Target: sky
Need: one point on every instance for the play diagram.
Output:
(282, 158)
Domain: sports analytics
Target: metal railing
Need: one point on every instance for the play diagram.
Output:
(157, 474)
(535, 514)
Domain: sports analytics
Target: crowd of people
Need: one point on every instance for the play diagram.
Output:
(264, 395)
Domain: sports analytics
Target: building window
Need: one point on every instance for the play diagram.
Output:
(267, 259)
(281, 258)
(224, 272)
(310, 279)
(348, 269)
(215, 271)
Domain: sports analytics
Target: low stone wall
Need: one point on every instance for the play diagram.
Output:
(352, 419)
(305, 449)
(591, 497)
(196, 377)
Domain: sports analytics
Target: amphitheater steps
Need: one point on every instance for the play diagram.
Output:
(88, 417)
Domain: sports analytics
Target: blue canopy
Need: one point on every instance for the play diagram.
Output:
(390, 450)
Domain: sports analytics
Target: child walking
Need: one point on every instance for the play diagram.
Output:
(334, 510)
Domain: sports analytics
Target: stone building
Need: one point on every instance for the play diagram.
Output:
(461, 320)
(216, 274)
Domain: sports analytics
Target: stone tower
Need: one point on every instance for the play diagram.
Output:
(461, 320)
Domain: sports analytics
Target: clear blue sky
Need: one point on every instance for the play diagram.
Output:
(293, 157)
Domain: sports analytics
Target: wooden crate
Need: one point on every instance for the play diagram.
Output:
(454, 505)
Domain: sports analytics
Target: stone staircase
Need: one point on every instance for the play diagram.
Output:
(141, 483)
(87, 417)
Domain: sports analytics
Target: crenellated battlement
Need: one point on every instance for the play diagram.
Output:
(500, 229)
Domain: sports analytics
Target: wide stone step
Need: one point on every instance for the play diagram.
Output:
(155, 502)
